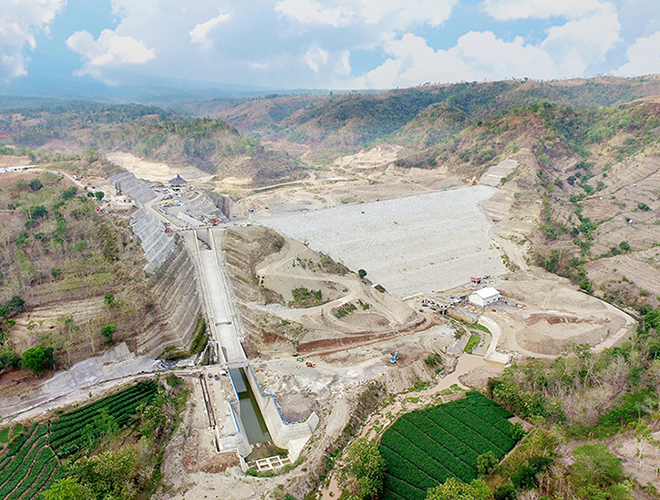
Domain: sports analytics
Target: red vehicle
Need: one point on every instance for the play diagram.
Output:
(310, 364)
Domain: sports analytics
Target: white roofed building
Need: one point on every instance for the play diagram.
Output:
(485, 297)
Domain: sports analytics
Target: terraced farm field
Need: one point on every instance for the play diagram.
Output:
(423, 449)
(29, 463)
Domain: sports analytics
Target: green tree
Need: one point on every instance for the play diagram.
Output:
(486, 463)
(38, 359)
(109, 475)
(92, 155)
(455, 489)
(595, 465)
(152, 418)
(362, 273)
(35, 184)
(69, 193)
(99, 195)
(107, 331)
(101, 426)
(68, 488)
(362, 478)
(506, 492)
(524, 477)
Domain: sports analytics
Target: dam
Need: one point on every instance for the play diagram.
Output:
(252, 416)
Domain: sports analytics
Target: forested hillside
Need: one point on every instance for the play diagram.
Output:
(345, 121)
(73, 129)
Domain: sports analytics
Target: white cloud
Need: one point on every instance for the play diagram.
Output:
(643, 57)
(507, 10)
(310, 12)
(493, 58)
(389, 15)
(402, 15)
(343, 66)
(110, 49)
(476, 56)
(20, 21)
(568, 50)
(200, 33)
(578, 44)
(275, 43)
(315, 57)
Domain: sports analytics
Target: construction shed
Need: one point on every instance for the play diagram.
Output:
(485, 297)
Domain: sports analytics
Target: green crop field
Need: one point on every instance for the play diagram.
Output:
(72, 431)
(423, 449)
(29, 463)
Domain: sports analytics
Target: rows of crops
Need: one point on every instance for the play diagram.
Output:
(27, 466)
(423, 449)
(71, 431)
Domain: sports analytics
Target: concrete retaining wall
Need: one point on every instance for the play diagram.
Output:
(289, 436)
(237, 438)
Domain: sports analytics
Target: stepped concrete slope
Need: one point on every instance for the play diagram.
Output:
(156, 243)
(130, 185)
(173, 321)
(421, 243)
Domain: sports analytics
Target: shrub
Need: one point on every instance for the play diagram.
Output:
(518, 432)
(107, 331)
(109, 300)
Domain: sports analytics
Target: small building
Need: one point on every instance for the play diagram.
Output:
(485, 297)
(475, 280)
(178, 183)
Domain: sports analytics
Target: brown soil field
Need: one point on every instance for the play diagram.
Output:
(552, 313)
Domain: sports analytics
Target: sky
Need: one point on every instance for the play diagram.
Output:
(325, 44)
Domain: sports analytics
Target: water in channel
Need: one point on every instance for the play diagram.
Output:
(251, 417)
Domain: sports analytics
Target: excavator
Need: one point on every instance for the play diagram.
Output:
(394, 358)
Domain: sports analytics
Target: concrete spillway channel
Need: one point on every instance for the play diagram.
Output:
(250, 417)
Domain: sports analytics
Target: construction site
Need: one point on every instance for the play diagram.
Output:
(313, 303)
